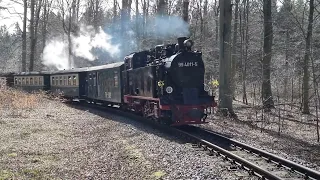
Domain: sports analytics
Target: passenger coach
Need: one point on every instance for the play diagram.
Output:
(6, 80)
(103, 83)
(68, 83)
(32, 81)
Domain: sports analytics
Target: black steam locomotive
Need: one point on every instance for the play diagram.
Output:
(165, 83)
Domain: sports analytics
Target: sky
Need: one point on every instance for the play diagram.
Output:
(14, 12)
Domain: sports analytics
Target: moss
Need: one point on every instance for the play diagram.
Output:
(5, 174)
(32, 173)
(158, 175)
(13, 155)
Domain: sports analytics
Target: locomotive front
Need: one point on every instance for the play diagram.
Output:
(184, 93)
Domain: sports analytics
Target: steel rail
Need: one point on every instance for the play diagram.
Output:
(252, 167)
(290, 164)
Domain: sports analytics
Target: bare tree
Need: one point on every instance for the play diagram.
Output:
(305, 99)
(34, 21)
(225, 93)
(69, 23)
(125, 17)
(234, 48)
(24, 37)
(185, 10)
(267, 99)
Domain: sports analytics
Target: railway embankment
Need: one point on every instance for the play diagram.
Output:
(42, 138)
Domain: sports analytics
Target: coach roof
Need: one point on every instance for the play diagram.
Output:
(85, 69)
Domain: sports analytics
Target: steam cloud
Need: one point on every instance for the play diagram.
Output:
(167, 26)
(159, 27)
(55, 52)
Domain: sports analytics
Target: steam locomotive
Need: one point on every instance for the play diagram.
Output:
(165, 83)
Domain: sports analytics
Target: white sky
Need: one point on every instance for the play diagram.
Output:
(14, 11)
(12, 14)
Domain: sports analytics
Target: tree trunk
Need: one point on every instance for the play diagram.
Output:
(34, 36)
(267, 99)
(32, 24)
(24, 37)
(225, 93)
(137, 25)
(234, 49)
(161, 6)
(216, 13)
(124, 18)
(69, 40)
(114, 11)
(305, 99)
(286, 78)
(185, 10)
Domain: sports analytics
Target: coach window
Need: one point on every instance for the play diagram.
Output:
(94, 80)
(69, 80)
(27, 80)
(41, 81)
(35, 81)
(52, 81)
(65, 80)
(15, 80)
(60, 80)
(74, 81)
(19, 81)
(31, 81)
(116, 81)
(23, 81)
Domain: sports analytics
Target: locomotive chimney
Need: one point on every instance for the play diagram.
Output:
(180, 42)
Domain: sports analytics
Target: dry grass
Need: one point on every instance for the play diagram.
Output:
(16, 102)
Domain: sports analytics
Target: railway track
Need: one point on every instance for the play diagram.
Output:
(242, 156)
(257, 162)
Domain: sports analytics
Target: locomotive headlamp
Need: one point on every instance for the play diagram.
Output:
(188, 43)
(169, 89)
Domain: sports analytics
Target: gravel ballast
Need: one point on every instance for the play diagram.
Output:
(59, 141)
(297, 140)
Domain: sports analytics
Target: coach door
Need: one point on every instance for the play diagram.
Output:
(92, 85)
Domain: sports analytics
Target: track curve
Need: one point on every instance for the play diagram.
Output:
(256, 161)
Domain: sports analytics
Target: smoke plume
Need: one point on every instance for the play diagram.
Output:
(55, 52)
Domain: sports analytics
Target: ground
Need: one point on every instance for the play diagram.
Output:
(43, 138)
(297, 140)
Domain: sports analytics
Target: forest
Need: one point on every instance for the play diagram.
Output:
(271, 47)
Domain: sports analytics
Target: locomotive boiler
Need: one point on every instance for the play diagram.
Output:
(167, 83)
